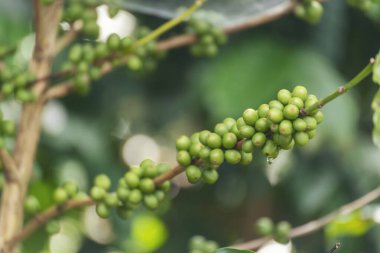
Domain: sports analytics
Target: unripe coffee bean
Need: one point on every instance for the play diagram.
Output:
(232, 156)
(262, 125)
(216, 157)
(259, 139)
(183, 158)
(301, 138)
(132, 179)
(151, 202)
(311, 123)
(147, 185)
(263, 110)
(214, 140)
(299, 125)
(291, 112)
(275, 115)
(183, 143)
(60, 196)
(250, 116)
(276, 104)
(284, 96)
(193, 174)
(210, 176)
(264, 226)
(246, 131)
(111, 200)
(286, 127)
(300, 92)
(102, 181)
(246, 158)
(297, 102)
(135, 197)
(102, 210)
(97, 193)
(221, 129)
(229, 140)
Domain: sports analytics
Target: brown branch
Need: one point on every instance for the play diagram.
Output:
(68, 37)
(10, 168)
(315, 225)
(43, 217)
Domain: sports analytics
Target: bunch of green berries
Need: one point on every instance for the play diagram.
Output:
(67, 191)
(84, 11)
(364, 5)
(15, 83)
(280, 124)
(280, 231)
(309, 10)
(209, 38)
(137, 186)
(198, 244)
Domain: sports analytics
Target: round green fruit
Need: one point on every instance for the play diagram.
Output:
(193, 174)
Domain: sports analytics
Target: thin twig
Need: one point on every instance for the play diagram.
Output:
(10, 168)
(315, 225)
(68, 37)
(336, 246)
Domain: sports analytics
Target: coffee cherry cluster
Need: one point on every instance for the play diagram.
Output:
(137, 186)
(309, 10)
(15, 83)
(199, 244)
(280, 231)
(84, 11)
(67, 191)
(364, 5)
(85, 61)
(278, 125)
(209, 38)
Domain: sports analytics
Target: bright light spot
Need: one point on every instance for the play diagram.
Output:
(97, 229)
(148, 232)
(62, 243)
(65, 26)
(122, 24)
(140, 147)
(11, 110)
(26, 47)
(54, 118)
(275, 247)
(277, 168)
(376, 215)
(71, 170)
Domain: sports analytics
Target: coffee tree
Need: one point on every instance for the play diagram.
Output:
(69, 30)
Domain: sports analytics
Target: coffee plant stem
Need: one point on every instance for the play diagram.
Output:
(315, 225)
(343, 89)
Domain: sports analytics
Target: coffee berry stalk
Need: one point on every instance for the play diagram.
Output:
(278, 125)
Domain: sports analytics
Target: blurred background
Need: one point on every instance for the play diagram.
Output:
(128, 117)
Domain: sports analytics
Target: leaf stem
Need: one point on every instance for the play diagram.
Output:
(170, 24)
(342, 89)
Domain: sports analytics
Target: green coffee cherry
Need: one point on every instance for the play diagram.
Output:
(301, 138)
(263, 110)
(259, 139)
(101, 50)
(284, 96)
(135, 196)
(193, 174)
(102, 181)
(221, 129)
(240, 122)
(75, 53)
(210, 176)
(183, 143)
(314, 12)
(264, 226)
(250, 116)
(97, 193)
(71, 188)
(60, 196)
(195, 149)
(262, 124)
(216, 157)
(229, 122)
(299, 125)
(246, 158)
(232, 156)
(204, 153)
(102, 210)
(246, 131)
(113, 42)
(32, 204)
(297, 102)
(291, 112)
(203, 136)
(132, 179)
(282, 231)
(285, 127)
(122, 193)
(91, 28)
(123, 212)
(247, 146)
(311, 123)
(214, 140)
(183, 158)
(275, 115)
(147, 185)
(270, 149)
(151, 202)
(229, 140)
(111, 200)
(165, 186)
(8, 127)
(196, 243)
(276, 104)
(318, 117)
(300, 92)
(134, 63)
(136, 170)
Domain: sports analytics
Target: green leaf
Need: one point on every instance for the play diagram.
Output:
(376, 69)
(376, 119)
(225, 12)
(231, 250)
